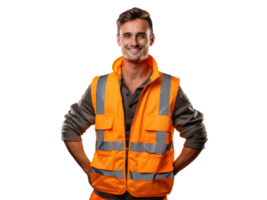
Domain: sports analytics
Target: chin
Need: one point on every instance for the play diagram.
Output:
(134, 58)
(131, 58)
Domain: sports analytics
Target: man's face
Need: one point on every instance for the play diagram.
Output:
(134, 39)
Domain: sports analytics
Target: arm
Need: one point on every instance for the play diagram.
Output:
(77, 152)
(78, 120)
(189, 123)
(185, 158)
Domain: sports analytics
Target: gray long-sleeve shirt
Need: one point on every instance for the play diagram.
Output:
(187, 120)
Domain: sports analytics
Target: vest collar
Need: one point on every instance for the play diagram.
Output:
(152, 62)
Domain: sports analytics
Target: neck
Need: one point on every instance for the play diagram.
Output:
(134, 70)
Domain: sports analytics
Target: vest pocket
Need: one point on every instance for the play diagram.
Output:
(158, 123)
(103, 121)
(102, 162)
(158, 164)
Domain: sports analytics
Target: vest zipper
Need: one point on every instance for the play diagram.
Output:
(130, 136)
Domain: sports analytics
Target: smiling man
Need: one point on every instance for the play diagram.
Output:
(135, 110)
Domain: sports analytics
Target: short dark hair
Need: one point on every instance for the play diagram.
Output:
(131, 14)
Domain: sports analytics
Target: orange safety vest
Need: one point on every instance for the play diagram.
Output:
(151, 152)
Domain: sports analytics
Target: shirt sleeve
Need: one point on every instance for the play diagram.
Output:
(189, 122)
(79, 118)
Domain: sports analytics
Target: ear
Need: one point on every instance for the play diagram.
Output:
(152, 39)
(118, 40)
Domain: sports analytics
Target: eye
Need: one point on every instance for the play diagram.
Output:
(128, 36)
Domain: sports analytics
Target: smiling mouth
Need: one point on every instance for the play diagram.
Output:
(134, 50)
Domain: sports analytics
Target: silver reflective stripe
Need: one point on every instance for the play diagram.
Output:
(115, 173)
(100, 109)
(136, 176)
(108, 146)
(100, 94)
(165, 91)
(150, 147)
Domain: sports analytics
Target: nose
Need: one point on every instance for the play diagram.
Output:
(133, 41)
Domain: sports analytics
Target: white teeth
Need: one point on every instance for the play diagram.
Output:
(134, 49)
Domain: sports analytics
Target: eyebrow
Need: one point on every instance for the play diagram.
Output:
(131, 33)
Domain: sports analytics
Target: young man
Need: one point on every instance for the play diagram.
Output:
(135, 110)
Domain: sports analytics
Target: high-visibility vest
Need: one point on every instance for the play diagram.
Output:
(151, 153)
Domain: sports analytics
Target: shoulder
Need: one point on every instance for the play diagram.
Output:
(173, 76)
